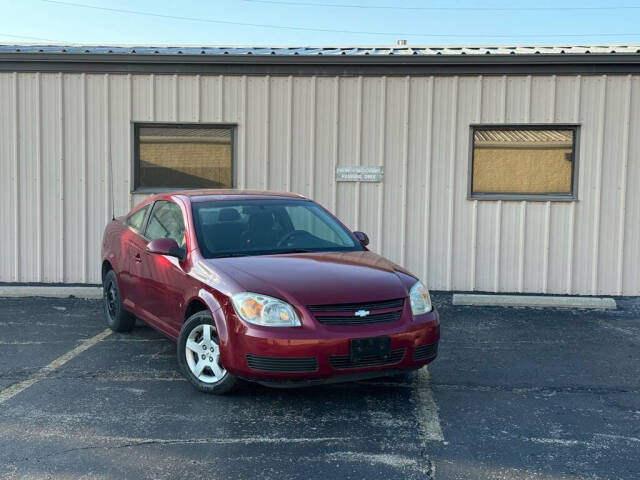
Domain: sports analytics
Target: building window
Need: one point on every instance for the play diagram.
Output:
(182, 156)
(532, 162)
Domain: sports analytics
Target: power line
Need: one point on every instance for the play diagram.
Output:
(488, 9)
(327, 30)
(25, 37)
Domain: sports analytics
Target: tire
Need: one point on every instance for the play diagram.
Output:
(198, 351)
(117, 318)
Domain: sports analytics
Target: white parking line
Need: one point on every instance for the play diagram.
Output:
(425, 408)
(16, 388)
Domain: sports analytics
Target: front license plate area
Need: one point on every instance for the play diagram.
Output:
(378, 348)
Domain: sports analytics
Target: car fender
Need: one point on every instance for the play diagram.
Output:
(216, 312)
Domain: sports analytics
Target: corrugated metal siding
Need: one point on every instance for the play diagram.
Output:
(65, 137)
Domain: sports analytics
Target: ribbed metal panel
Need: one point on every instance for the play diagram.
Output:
(66, 138)
(9, 182)
(630, 223)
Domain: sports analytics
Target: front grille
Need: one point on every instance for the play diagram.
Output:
(425, 351)
(353, 320)
(282, 364)
(341, 362)
(345, 313)
(346, 307)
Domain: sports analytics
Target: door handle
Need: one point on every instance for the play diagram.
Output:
(138, 258)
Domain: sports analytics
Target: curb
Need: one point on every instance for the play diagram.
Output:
(534, 301)
(51, 292)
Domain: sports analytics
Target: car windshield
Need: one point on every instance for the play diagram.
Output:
(264, 227)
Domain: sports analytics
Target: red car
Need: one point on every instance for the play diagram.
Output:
(262, 286)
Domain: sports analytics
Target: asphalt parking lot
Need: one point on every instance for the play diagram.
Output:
(514, 393)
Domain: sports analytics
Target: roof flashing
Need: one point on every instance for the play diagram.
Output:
(373, 60)
(166, 50)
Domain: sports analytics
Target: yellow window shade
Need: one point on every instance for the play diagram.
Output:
(527, 162)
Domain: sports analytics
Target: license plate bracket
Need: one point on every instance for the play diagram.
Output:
(377, 347)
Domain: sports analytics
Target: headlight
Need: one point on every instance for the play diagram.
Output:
(264, 310)
(420, 299)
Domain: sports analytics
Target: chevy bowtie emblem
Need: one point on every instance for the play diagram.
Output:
(362, 313)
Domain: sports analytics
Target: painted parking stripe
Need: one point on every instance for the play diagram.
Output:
(426, 410)
(16, 388)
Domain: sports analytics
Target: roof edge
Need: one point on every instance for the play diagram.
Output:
(317, 64)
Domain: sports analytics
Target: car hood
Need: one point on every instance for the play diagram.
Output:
(317, 278)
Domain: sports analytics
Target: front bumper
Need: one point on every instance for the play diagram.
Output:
(321, 354)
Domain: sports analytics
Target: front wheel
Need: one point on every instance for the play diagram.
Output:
(199, 356)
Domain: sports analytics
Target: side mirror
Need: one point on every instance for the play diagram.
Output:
(362, 238)
(166, 246)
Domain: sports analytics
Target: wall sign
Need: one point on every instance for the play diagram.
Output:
(359, 174)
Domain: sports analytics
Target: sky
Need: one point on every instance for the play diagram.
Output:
(321, 22)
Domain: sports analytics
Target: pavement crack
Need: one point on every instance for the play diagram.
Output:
(133, 443)
(535, 389)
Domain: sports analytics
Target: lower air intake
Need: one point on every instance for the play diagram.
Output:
(341, 362)
(425, 351)
(282, 364)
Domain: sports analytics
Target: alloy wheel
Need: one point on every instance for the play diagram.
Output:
(203, 354)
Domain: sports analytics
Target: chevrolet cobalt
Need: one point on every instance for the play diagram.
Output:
(266, 287)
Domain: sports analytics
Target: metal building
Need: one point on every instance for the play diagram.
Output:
(551, 133)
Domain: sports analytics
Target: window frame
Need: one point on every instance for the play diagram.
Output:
(534, 197)
(147, 208)
(135, 151)
(157, 204)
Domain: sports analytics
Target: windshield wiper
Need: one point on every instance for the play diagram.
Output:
(265, 252)
(292, 250)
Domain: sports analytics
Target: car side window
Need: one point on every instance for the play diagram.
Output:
(136, 219)
(166, 222)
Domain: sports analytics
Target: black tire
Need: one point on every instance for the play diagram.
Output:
(118, 319)
(228, 382)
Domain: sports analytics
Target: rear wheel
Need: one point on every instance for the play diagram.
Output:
(199, 356)
(118, 319)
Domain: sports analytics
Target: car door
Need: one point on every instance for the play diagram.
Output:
(163, 280)
(133, 245)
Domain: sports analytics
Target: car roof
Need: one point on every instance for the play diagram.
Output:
(227, 194)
